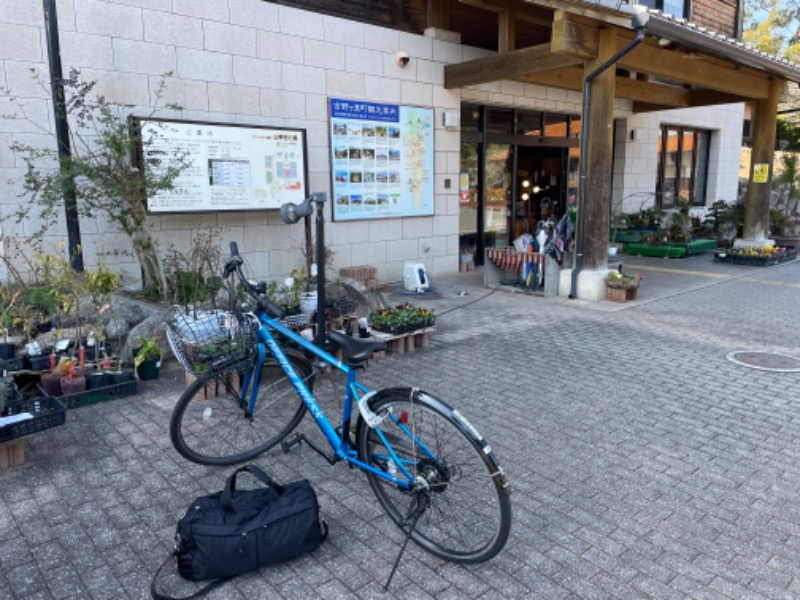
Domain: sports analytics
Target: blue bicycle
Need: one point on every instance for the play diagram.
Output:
(430, 468)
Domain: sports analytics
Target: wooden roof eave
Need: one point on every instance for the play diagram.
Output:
(573, 42)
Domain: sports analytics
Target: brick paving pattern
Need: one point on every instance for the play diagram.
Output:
(644, 464)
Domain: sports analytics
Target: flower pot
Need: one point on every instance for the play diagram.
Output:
(73, 385)
(51, 383)
(96, 380)
(149, 369)
(308, 302)
(121, 376)
(616, 294)
(7, 351)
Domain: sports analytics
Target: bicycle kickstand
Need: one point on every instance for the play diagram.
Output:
(298, 438)
(421, 501)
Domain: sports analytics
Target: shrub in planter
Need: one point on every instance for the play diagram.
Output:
(147, 359)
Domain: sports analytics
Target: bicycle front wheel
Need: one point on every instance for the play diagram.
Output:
(467, 517)
(210, 424)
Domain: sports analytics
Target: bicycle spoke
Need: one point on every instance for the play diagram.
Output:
(467, 515)
(210, 424)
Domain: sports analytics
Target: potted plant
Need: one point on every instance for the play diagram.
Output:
(621, 287)
(73, 381)
(147, 359)
(8, 312)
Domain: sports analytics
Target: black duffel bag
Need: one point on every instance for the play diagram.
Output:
(234, 531)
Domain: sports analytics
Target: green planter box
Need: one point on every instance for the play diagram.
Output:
(672, 249)
(664, 251)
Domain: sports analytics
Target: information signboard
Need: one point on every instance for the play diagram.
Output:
(231, 167)
(382, 159)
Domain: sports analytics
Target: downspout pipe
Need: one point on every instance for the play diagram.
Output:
(638, 22)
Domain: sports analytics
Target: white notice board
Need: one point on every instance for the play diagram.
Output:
(231, 167)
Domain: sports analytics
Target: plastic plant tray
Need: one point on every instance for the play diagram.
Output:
(118, 390)
(46, 412)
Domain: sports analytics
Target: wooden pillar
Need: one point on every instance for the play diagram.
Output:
(438, 14)
(598, 125)
(756, 213)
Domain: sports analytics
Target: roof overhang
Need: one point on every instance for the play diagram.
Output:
(679, 65)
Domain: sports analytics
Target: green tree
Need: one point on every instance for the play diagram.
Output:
(773, 26)
(789, 180)
(108, 181)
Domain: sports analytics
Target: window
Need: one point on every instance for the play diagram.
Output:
(682, 165)
(678, 8)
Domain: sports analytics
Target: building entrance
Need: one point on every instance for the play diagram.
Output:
(517, 168)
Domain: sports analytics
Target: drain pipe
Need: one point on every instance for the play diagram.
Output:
(638, 21)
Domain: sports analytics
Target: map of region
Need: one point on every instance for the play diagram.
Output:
(418, 144)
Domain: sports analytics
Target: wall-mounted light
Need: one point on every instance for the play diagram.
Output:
(536, 189)
(526, 184)
(525, 197)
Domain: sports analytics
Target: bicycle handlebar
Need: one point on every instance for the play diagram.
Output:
(234, 265)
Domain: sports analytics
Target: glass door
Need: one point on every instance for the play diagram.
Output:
(469, 201)
(498, 169)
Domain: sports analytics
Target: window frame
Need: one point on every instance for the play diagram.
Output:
(659, 5)
(697, 197)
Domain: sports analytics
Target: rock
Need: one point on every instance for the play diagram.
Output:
(117, 328)
(151, 327)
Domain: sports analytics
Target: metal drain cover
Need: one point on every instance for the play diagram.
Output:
(766, 361)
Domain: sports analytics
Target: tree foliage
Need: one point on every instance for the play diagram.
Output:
(103, 170)
(773, 26)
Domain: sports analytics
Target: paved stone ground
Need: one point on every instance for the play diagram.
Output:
(644, 463)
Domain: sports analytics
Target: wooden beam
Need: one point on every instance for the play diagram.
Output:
(633, 89)
(509, 65)
(604, 15)
(693, 99)
(570, 38)
(522, 11)
(675, 66)
(577, 39)
(507, 32)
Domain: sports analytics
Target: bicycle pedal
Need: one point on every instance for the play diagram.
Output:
(288, 444)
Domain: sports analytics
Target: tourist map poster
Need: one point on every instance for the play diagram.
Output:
(231, 167)
(382, 160)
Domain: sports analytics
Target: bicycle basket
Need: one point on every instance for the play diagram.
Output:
(209, 340)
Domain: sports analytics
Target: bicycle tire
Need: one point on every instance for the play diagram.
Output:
(209, 425)
(468, 518)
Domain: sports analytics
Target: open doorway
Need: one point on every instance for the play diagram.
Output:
(540, 190)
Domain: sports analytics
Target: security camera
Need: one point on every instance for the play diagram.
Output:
(402, 58)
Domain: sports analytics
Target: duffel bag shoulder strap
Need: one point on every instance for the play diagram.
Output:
(201, 592)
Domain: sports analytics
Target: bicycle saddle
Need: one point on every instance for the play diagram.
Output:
(355, 350)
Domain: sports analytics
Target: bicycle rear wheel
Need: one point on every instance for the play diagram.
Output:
(209, 424)
(468, 514)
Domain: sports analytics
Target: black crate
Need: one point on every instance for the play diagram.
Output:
(46, 412)
(12, 364)
(126, 388)
(38, 363)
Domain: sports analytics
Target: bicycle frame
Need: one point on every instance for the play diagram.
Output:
(354, 392)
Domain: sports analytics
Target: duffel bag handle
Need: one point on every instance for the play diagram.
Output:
(230, 485)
